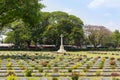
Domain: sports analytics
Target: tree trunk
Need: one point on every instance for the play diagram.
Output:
(95, 46)
(28, 43)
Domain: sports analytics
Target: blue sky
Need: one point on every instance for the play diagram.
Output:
(94, 12)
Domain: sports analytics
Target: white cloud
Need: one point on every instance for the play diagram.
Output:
(96, 3)
(104, 3)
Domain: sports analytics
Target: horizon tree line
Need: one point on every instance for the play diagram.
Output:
(24, 24)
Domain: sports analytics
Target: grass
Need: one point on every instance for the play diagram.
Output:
(114, 54)
(88, 53)
(59, 78)
(91, 78)
(92, 54)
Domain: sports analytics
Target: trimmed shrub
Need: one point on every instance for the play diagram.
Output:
(40, 69)
(75, 76)
(98, 73)
(114, 74)
(28, 73)
(70, 70)
(54, 78)
(112, 62)
(12, 77)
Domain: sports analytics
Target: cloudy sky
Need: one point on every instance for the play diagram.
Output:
(94, 12)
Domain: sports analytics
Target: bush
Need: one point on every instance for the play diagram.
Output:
(10, 73)
(74, 67)
(77, 65)
(54, 78)
(114, 74)
(90, 63)
(113, 67)
(28, 73)
(85, 69)
(118, 59)
(55, 65)
(112, 58)
(36, 67)
(98, 73)
(101, 64)
(56, 69)
(40, 69)
(12, 77)
(44, 64)
(115, 79)
(88, 66)
(49, 65)
(23, 67)
(112, 62)
(75, 76)
(70, 70)
(9, 64)
(80, 58)
(103, 59)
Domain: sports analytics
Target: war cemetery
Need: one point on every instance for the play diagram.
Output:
(41, 41)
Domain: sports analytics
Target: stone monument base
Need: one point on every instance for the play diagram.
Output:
(61, 50)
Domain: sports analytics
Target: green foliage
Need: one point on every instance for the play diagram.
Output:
(91, 63)
(49, 65)
(116, 38)
(44, 28)
(11, 10)
(115, 79)
(55, 70)
(75, 76)
(36, 68)
(96, 34)
(101, 65)
(88, 66)
(98, 73)
(20, 16)
(54, 78)
(12, 77)
(28, 72)
(62, 23)
(76, 36)
(11, 73)
(9, 64)
(40, 69)
(69, 70)
(75, 67)
(85, 69)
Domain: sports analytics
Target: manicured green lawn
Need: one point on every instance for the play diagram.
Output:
(93, 54)
(70, 60)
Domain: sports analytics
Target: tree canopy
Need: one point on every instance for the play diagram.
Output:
(26, 10)
(96, 34)
(25, 24)
(48, 30)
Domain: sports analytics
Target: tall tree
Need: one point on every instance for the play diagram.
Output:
(26, 11)
(47, 29)
(116, 38)
(96, 34)
(19, 34)
(12, 10)
(63, 23)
